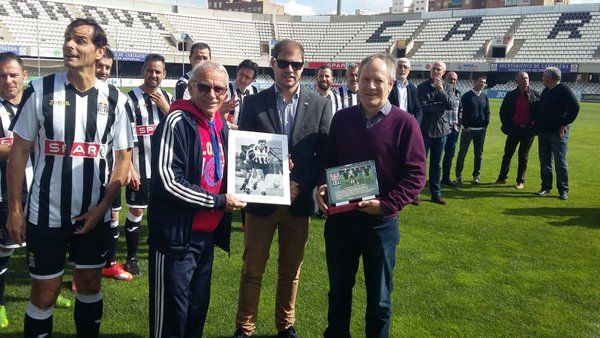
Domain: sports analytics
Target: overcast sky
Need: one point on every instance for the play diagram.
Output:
(313, 7)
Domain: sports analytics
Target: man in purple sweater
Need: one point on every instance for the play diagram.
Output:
(392, 138)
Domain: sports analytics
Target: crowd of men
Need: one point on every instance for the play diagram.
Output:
(79, 140)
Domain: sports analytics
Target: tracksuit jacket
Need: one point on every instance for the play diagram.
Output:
(175, 190)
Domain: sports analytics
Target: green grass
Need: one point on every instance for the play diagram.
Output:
(494, 262)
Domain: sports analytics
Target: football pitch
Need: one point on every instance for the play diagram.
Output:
(495, 261)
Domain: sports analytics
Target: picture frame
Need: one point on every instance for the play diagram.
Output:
(349, 184)
(257, 167)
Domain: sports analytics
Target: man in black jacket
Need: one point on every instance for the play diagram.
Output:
(516, 116)
(404, 93)
(556, 110)
(304, 116)
(475, 119)
(435, 102)
(189, 213)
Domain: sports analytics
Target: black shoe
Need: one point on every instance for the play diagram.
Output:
(290, 332)
(448, 183)
(438, 200)
(240, 334)
(564, 196)
(543, 192)
(133, 267)
(476, 180)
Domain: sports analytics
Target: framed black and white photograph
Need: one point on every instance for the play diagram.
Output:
(258, 170)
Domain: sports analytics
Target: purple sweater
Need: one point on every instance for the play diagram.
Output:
(396, 146)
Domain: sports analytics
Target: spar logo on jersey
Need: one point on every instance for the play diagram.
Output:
(78, 149)
(145, 130)
(8, 141)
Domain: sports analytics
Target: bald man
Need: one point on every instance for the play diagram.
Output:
(435, 103)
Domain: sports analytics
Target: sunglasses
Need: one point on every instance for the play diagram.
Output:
(205, 89)
(283, 64)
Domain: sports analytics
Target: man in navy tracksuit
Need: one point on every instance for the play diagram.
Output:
(188, 213)
(474, 121)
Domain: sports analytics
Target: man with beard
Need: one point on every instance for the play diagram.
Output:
(12, 76)
(349, 92)
(148, 104)
(324, 82)
(303, 116)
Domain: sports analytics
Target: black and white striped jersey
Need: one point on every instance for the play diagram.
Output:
(181, 90)
(7, 112)
(110, 157)
(348, 98)
(258, 156)
(72, 134)
(234, 91)
(144, 116)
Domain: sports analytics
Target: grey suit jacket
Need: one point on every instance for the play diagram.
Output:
(311, 126)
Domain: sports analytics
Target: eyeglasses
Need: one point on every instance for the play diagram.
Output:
(283, 64)
(205, 89)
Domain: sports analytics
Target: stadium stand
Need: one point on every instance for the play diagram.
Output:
(573, 37)
(227, 38)
(543, 36)
(535, 35)
(460, 39)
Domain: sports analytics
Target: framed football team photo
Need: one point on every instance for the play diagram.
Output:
(258, 170)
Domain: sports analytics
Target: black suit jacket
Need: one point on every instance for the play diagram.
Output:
(412, 101)
(311, 126)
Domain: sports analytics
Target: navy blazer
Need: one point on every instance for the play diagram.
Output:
(412, 101)
(311, 127)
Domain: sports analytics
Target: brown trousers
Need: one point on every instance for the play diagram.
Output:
(293, 235)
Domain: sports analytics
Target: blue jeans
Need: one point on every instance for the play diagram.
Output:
(436, 145)
(348, 236)
(553, 148)
(478, 138)
(449, 151)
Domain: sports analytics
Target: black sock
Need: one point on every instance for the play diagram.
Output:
(88, 315)
(113, 240)
(132, 237)
(37, 322)
(3, 272)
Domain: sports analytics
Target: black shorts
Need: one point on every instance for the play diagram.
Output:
(139, 198)
(5, 241)
(116, 203)
(47, 248)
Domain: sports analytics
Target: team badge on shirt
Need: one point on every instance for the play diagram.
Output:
(102, 108)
